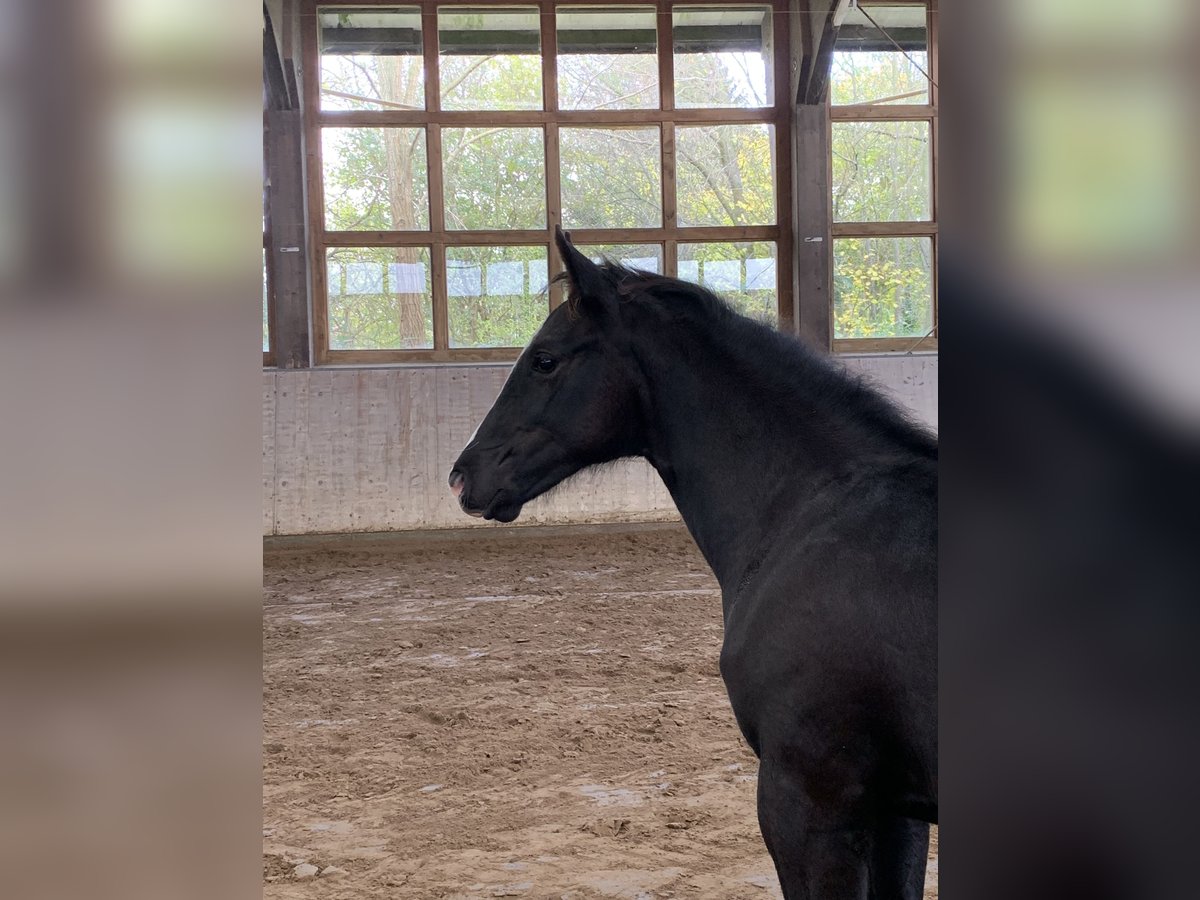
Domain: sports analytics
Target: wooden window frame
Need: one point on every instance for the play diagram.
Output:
(869, 112)
(433, 119)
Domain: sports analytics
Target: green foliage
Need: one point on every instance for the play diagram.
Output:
(494, 178)
(877, 77)
(882, 287)
(376, 179)
(491, 82)
(608, 81)
(611, 177)
(722, 80)
(726, 175)
(498, 295)
(379, 298)
(881, 172)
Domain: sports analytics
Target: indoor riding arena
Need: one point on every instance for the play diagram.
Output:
(493, 629)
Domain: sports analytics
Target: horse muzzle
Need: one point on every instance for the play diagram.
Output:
(458, 487)
(495, 505)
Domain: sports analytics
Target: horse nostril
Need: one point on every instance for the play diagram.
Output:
(456, 482)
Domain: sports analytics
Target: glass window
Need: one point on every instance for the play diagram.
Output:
(478, 115)
(490, 58)
(371, 58)
(266, 306)
(742, 273)
(376, 179)
(611, 177)
(607, 58)
(868, 67)
(494, 178)
(882, 172)
(882, 287)
(379, 298)
(726, 175)
(723, 57)
(644, 257)
(497, 295)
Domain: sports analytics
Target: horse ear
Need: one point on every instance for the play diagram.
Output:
(587, 281)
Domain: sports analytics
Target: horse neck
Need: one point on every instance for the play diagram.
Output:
(739, 444)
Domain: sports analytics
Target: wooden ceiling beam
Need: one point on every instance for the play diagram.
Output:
(817, 33)
(279, 76)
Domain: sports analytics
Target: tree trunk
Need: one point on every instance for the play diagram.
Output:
(400, 82)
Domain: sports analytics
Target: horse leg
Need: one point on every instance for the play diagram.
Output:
(820, 853)
(898, 862)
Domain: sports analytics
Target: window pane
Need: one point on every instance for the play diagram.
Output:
(497, 295)
(490, 58)
(379, 298)
(882, 287)
(376, 179)
(607, 58)
(645, 257)
(371, 59)
(726, 175)
(723, 57)
(881, 172)
(742, 273)
(867, 67)
(266, 314)
(611, 177)
(494, 178)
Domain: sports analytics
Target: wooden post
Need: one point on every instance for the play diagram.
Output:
(288, 249)
(812, 215)
(813, 37)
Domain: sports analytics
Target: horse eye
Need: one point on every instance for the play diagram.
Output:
(544, 362)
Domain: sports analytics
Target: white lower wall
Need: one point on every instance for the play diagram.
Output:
(368, 449)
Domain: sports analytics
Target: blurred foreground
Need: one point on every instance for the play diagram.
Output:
(130, 547)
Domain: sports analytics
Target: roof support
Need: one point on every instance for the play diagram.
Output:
(289, 243)
(279, 73)
(815, 46)
(813, 35)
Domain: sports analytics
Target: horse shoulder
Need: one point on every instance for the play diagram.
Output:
(841, 613)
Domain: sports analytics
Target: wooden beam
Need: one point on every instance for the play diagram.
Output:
(516, 118)
(818, 85)
(552, 156)
(884, 229)
(279, 94)
(926, 344)
(863, 112)
(812, 232)
(391, 357)
(815, 52)
(288, 246)
(782, 157)
(520, 237)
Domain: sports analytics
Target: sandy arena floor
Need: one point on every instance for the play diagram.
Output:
(504, 715)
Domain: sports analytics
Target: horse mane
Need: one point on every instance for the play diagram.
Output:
(754, 344)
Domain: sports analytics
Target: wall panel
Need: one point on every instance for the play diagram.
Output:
(369, 449)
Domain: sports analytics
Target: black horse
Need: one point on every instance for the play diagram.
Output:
(815, 502)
